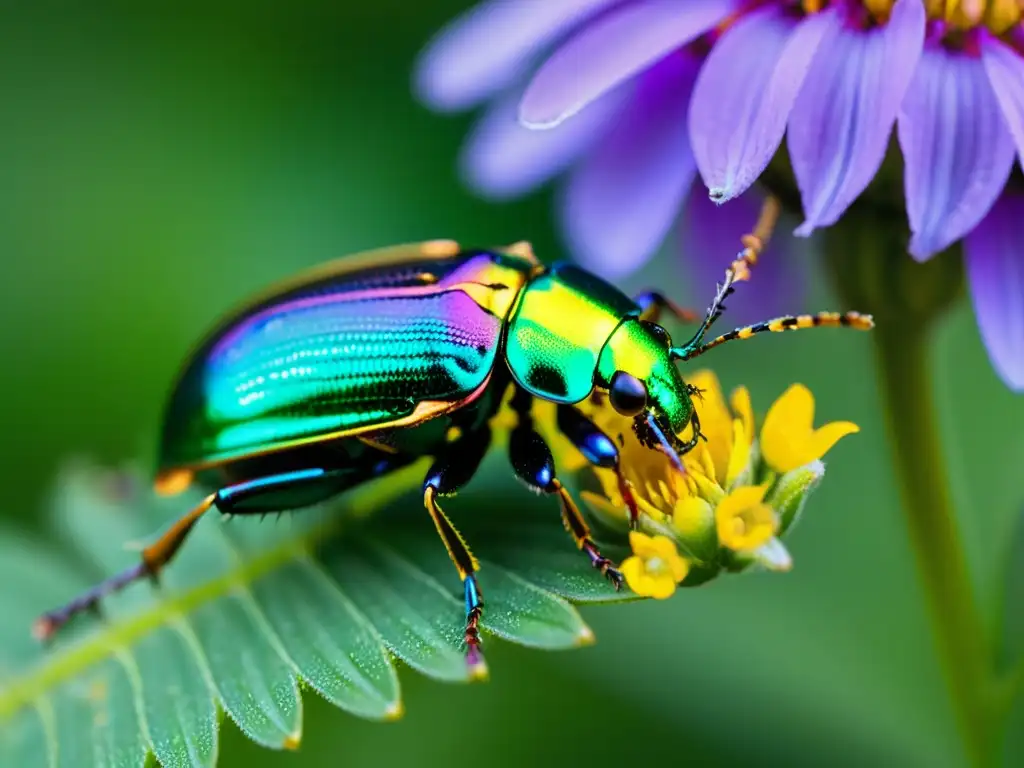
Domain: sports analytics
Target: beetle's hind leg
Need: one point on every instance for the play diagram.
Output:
(154, 558)
(533, 463)
(273, 493)
(451, 470)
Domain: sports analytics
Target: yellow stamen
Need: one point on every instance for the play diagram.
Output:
(1003, 14)
(880, 9)
(997, 15)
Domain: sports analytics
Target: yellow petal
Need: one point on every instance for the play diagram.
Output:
(741, 407)
(744, 496)
(742, 434)
(664, 548)
(649, 510)
(740, 455)
(644, 583)
(743, 521)
(632, 569)
(788, 437)
(655, 566)
(679, 568)
(706, 462)
(601, 507)
(642, 545)
(715, 421)
(610, 486)
(661, 587)
(707, 488)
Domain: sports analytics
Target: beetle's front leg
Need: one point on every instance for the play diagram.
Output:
(533, 464)
(599, 449)
(451, 470)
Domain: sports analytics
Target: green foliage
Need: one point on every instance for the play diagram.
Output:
(249, 614)
(1012, 641)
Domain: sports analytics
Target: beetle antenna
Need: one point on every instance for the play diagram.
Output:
(853, 320)
(754, 244)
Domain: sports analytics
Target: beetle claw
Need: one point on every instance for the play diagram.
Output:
(614, 575)
(604, 565)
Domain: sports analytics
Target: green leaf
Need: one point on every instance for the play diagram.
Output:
(249, 612)
(30, 737)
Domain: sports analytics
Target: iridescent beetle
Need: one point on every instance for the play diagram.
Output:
(363, 365)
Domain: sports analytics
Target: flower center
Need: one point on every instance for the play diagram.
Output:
(999, 16)
(743, 525)
(656, 566)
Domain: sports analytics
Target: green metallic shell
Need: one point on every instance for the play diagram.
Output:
(558, 329)
(369, 344)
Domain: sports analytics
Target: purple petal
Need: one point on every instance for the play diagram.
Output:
(956, 148)
(744, 95)
(710, 239)
(501, 159)
(487, 48)
(994, 254)
(840, 125)
(1005, 68)
(620, 203)
(612, 49)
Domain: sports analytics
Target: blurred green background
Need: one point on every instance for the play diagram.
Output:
(158, 166)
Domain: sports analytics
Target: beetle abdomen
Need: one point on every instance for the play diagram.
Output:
(333, 359)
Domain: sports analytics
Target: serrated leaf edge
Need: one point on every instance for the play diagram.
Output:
(123, 633)
(319, 573)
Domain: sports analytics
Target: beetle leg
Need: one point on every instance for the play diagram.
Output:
(451, 470)
(154, 557)
(533, 463)
(599, 449)
(276, 493)
(653, 305)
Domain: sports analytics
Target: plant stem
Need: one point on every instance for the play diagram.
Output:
(871, 270)
(902, 356)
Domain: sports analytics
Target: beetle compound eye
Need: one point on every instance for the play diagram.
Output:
(628, 394)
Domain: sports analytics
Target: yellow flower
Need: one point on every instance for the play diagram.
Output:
(655, 567)
(729, 429)
(713, 512)
(743, 521)
(788, 437)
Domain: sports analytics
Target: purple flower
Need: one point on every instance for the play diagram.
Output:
(625, 155)
(639, 97)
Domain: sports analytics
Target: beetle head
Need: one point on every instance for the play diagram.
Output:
(637, 369)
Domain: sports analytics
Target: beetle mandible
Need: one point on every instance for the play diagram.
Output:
(359, 367)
